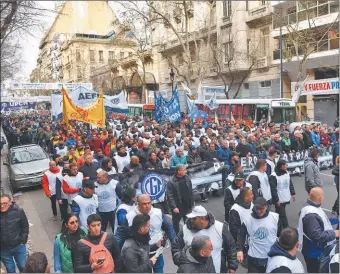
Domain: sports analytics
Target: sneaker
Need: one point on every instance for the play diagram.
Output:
(204, 200)
(54, 218)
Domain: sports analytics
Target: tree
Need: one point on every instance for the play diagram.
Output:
(18, 19)
(303, 35)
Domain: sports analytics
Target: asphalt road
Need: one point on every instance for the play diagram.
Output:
(43, 229)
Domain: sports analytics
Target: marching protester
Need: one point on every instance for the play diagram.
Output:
(65, 244)
(200, 222)
(272, 154)
(160, 227)
(259, 181)
(315, 230)
(14, 234)
(127, 204)
(136, 249)
(262, 229)
(232, 192)
(48, 182)
(241, 210)
(282, 190)
(180, 197)
(312, 172)
(98, 251)
(198, 256)
(72, 183)
(282, 255)
(89, 168)
(107, 199)
(86, 202)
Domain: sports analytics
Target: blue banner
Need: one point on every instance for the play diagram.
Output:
(167, 110)
(15, 106)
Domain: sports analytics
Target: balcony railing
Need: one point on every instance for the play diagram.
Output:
(323, 45)
(313, 12)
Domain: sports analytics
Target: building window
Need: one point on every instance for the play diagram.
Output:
(101, 56)
(226, 8)
(228, 51)
(248, 47)
(246, 85)
(92, 55)
(78, 57)
(121, 54)
(247, 6)
(263, 3)
(111, 55)
(79, 74)
(265, 84)
(264, 42)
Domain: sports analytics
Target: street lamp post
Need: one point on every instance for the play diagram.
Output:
(172, 78)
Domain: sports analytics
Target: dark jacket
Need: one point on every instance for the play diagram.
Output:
(132, 168)
(313, 228)
(228, 254)
(297, 144)
(273, 187)
(307, 139)
(243, 234)
(234, 218)
(191, 265)
(229, 200)
(173, 192)
(312, 174)
(277, 146)
(89, 170)
(153, 164)
(14, 227)
(82, 255)
(277, 250)
(203, 151)
(135, 257)
(25, 138)
(243, 150)
(144, 155)
(193, 158)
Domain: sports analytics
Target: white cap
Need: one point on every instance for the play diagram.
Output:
(198, 211)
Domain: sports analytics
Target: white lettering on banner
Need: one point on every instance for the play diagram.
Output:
(67, 86)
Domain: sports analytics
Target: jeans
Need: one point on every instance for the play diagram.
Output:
(159, 265)
(281, 210)
(176, 218)
(63, 209)
(108, 218)
(312, 264)
(254, 268)
(17, 254)
(53, 204)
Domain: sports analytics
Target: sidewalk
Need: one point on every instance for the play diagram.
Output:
(38, 239)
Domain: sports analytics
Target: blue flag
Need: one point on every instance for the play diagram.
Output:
(167, 111)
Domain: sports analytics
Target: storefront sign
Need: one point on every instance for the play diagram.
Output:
(283, 104)
(325, 86)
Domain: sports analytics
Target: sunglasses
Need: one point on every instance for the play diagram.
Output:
(74, 222)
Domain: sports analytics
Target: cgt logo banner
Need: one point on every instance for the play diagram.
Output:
(155, 185)
(15, 106)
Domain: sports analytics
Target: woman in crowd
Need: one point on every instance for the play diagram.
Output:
(65, 244)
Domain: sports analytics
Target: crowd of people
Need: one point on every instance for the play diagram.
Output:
(82, 180)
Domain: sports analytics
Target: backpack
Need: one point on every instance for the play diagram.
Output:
(99, 251)
(326, 257)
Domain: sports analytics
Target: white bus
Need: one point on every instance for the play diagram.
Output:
(253, 110)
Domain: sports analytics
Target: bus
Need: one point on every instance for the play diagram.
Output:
(279, 111)
(142, 110)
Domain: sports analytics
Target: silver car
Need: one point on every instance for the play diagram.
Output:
(27, 164)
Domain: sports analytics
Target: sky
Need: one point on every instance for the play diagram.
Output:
(31, 44)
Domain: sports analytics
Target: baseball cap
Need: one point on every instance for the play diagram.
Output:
(198, 211)
(239, 176)
(88, 184)
(260, 202)
(181, 167)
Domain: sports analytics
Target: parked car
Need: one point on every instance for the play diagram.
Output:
(27, 164)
